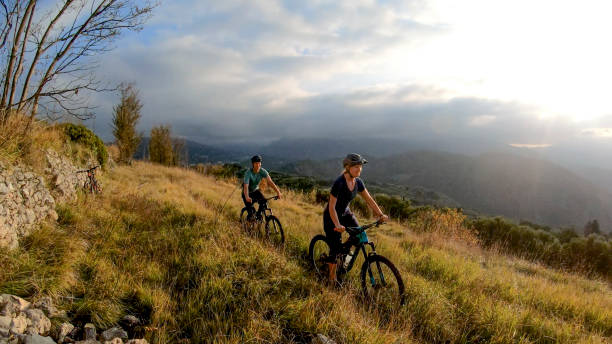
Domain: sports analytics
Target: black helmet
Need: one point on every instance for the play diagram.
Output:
(256, 158)
(353, 159)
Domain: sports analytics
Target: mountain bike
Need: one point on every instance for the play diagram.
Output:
(381, 282)
(273, 228)
(91, 183)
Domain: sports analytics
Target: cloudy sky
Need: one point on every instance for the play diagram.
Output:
(524, 73)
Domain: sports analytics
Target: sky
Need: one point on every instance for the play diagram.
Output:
(529, 74)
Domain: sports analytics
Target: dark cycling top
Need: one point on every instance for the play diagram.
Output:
(343, 194)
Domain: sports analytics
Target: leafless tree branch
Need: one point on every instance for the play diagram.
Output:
(49, 59)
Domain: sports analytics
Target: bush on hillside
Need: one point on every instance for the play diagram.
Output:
(224, 171)
(592, 254)
(394, 206)
(160, 145)
(80, 134)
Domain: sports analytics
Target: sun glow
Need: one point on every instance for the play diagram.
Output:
(550, 54)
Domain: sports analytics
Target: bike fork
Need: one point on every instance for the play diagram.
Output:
(370, 273)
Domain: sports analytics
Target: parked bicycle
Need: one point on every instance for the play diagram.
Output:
(91, 183)
(381, 282)
(273, 228)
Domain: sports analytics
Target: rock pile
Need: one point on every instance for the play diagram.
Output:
(22, 322)
(26, 199)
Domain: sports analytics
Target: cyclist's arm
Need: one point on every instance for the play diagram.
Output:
(333, 214)
(372, 203)
(269, 179)
(246, 192)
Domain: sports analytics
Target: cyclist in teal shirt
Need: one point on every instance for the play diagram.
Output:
(252, 178)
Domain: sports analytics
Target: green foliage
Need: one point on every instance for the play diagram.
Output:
(296, 183)
(160, 145)
(395, 207)
(125, 117)
(592, 254)
(321, 196)
(592, 227)
(80, 134)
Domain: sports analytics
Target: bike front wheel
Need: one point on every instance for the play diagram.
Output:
(274, 231)
(381, 282)
(318, 255)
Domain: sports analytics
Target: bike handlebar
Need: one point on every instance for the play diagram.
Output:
(273, 197)
(356, 230)
(91, 169)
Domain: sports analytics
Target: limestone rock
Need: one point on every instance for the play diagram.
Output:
(36, 339)
(38, 323)
(19, 324)
(46, 305)
(90, 331)
(115, 332)
(5, 322)
(11, 305)
(62, 331)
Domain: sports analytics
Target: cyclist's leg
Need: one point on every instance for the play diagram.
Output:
(257, 196)
(249, 206)
(334, 239)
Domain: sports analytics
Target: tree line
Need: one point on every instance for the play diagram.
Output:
(162, 147)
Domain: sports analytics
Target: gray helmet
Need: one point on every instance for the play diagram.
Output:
(256, 158)
(353, 159)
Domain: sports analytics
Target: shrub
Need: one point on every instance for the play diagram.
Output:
(80, 134)
(393, 206)
(592, 254)
(160, 145)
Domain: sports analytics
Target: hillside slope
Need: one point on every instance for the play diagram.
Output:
(159, 244)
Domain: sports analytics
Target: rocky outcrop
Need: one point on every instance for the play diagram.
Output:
(26, 198)
(22, 322)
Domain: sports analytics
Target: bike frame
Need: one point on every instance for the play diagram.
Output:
(361, 247)
(91, 175)
(263, 208)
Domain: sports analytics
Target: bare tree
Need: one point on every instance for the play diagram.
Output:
(125, 116)
(48, 57)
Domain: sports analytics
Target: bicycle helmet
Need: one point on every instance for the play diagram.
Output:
(353, 159)
(256, 158)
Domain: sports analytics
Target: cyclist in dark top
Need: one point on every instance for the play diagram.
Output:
(252, 178)
(337, 214)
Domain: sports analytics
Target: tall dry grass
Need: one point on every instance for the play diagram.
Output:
(164, 244)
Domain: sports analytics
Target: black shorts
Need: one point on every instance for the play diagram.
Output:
(334, 239)
(256, 196)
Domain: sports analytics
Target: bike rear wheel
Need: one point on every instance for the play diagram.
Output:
(274, 231)
(87, 186)
(250, 226)
(96, 187)
(381, 282)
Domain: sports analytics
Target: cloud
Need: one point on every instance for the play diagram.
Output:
(597, 132)
(256, 71)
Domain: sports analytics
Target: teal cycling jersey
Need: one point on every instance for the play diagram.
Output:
(253, 179)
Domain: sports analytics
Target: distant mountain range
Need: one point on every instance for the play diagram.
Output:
(493, 184)
(514, 183)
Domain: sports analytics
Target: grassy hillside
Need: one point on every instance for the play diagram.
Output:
(158, 244)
